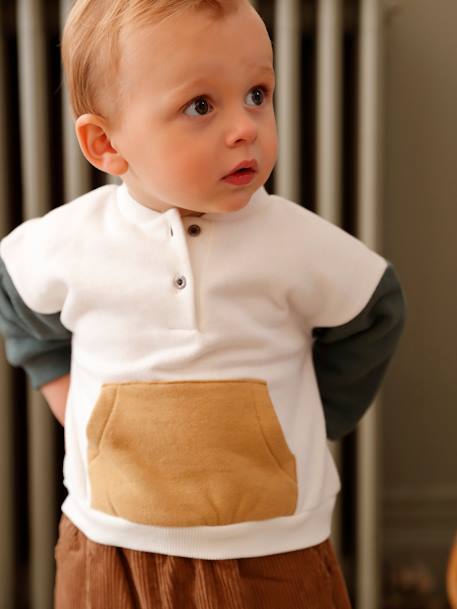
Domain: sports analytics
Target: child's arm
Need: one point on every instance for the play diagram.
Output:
(56, 393)
(36, 342)
(351, 360)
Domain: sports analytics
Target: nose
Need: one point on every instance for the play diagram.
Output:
(243, 129)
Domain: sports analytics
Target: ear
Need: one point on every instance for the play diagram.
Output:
(94, 140)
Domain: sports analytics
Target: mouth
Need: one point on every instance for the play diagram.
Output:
(242, 173)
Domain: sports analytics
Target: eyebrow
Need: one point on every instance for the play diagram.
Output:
(202, 81)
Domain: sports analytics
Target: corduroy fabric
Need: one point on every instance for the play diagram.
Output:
(95, 576)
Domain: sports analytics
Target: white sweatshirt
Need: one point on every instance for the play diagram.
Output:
(194, 425)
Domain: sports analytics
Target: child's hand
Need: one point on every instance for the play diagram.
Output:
(56, 393)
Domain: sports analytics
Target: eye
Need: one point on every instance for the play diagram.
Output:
(258, 94)
(201, 106)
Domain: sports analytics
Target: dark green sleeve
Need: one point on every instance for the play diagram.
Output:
(351, 360)
(36, 342)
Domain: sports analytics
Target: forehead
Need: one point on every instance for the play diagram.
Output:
(193, 43)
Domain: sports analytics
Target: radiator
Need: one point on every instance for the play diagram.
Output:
(326, 22)
(329, 79)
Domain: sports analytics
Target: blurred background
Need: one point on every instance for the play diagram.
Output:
(366, 104)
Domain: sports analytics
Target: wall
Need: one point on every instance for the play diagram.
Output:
(419, 417)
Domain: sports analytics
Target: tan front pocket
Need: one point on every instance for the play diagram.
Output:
(189, 453)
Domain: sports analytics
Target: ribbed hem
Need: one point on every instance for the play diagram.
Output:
(247, 539)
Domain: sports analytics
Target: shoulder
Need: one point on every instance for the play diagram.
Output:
(59, 226)
(332, 273)
(307, 230)
(295, 217)
(40, 253)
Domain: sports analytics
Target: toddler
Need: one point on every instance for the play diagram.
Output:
(218, 334)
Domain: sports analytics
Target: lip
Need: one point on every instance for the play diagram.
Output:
(248, 164)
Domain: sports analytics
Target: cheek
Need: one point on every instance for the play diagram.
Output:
(271, 140)
(185, 156)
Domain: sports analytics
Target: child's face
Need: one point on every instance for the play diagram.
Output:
(195, 108)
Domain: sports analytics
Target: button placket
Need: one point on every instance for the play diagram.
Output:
(181, 313)
(179, 280)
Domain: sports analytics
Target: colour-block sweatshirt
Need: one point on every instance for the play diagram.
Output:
(210, 357)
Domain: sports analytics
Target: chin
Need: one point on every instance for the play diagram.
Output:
(236, 205)
(241, 198)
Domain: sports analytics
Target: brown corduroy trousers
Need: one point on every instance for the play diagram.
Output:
(94, 576)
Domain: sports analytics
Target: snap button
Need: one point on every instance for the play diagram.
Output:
(194, 230)
(180, 282)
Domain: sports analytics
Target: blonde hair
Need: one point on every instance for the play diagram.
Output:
(90, 42)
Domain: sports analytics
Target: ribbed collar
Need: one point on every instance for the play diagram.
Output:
(137, 213)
